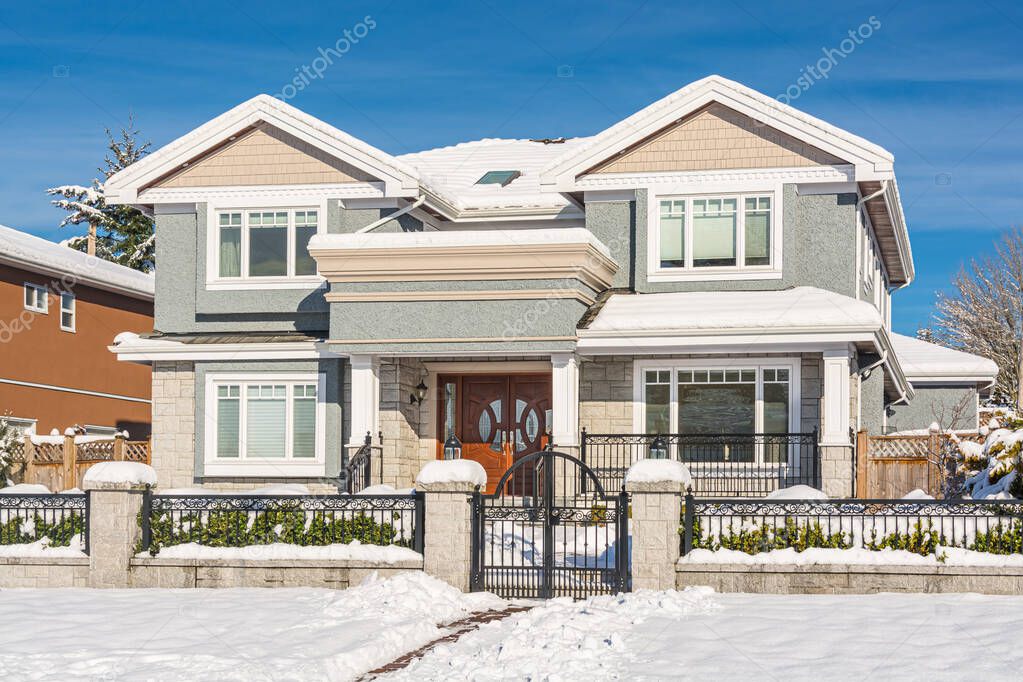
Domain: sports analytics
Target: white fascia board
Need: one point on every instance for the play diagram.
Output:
(710, 180)
(260, 195)
(883, 344)
(395, 175)
(893, 202)
(856, 150)
(788, 342)
(950, 379)
(169, 350)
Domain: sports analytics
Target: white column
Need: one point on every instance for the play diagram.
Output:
(836, 398)
(565, 399)
(365, 397)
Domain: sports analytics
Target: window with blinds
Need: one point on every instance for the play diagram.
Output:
(715, 232)
(266, 420)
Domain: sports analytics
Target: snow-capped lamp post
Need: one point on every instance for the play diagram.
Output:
(656, 487)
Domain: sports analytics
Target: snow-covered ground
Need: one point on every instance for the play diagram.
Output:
(699, 635)
(307, 634)
(234, 634)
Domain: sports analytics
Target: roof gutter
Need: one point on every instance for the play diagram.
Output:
(397, 214)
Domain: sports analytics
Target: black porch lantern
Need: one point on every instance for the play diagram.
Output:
(659, 448)
(452, 448)
(419, 396)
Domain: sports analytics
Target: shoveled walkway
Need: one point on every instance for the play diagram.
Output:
(458, 628)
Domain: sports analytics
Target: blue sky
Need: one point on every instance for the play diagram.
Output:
(938, 84)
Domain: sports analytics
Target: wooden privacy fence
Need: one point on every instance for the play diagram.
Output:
(889, 467)
(61, 464)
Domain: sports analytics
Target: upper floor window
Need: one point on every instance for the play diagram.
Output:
(67, 311)
(705, 233)
(271, 243)
(36, 298)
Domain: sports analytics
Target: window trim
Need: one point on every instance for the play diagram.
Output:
(214, 282)
(45, 309)
(73, 311)
(740, 271)
(640, 367)
(264, 467)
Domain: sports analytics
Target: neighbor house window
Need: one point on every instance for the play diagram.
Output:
(262, 244)
(35, 298)
(701, 233)
(67, 311)
(266, 420)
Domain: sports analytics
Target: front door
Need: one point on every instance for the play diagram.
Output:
(498, 418)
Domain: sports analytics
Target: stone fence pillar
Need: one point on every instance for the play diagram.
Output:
(655, 487)
(448, 487)
(116, 491)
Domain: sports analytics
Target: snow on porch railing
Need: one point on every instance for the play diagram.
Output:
(44, 520)
(919, 526)
(305, 520)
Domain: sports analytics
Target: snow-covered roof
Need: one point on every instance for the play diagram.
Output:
(452, 172)
(459, 238)
(796, 309)
(29, 252)
(923, 361)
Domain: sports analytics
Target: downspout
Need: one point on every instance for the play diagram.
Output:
(397, 214)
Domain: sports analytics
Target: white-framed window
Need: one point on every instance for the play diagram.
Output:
(36, 298)
(19, 424)
(720, 397)
(265, 424)
(260, 245)
(715, 236)
(67, 311)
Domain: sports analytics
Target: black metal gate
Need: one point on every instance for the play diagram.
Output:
(542, 533)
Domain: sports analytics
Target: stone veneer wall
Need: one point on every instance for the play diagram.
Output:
(218, 573)
(44, 572)
(401, 421)
(174, 423)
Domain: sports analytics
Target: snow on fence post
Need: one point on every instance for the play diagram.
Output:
(447, 539)
(116, 493)
(656, 486)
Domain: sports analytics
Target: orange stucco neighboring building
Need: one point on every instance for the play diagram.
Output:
(59, 311)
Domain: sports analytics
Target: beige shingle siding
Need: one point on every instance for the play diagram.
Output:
(265, 156)
(716, 138)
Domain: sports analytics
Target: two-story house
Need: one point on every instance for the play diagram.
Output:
(59, 308)
(716, 269)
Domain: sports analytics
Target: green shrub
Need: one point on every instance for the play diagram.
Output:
(59, 531)
(1000, 539)
(918, 541)
(286, 524)
(755, 539)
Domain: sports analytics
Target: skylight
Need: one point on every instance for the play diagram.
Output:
(501, 178)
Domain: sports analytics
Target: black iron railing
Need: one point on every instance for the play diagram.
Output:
(307, 520)
(357, 472)
(60, 519)
(919, 526)
(722, 465)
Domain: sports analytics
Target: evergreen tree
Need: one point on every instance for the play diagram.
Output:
(122, 234)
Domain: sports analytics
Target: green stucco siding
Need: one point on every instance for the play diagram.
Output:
(953, 407)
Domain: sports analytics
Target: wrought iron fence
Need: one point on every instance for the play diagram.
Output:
(308, 520)
(61, 520)
(357, 472)
(722, 465)
(919, 526)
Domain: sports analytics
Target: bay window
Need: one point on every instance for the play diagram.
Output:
(702, 233)
(272, 420)
(255, 244)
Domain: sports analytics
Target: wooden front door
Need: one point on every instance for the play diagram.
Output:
(498, 419)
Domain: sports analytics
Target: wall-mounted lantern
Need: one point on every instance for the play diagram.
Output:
(452, 448)
(419, 396)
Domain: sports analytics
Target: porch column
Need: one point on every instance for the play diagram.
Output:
(365, 397)
(565, 399)
(836, 447)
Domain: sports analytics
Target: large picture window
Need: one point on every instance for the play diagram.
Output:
(258, 244)
(273, 420)
(704, 233)
(713, 399)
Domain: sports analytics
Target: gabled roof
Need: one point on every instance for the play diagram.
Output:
(926, 362)
(869, 159)
(28, 252)
(398, 177)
